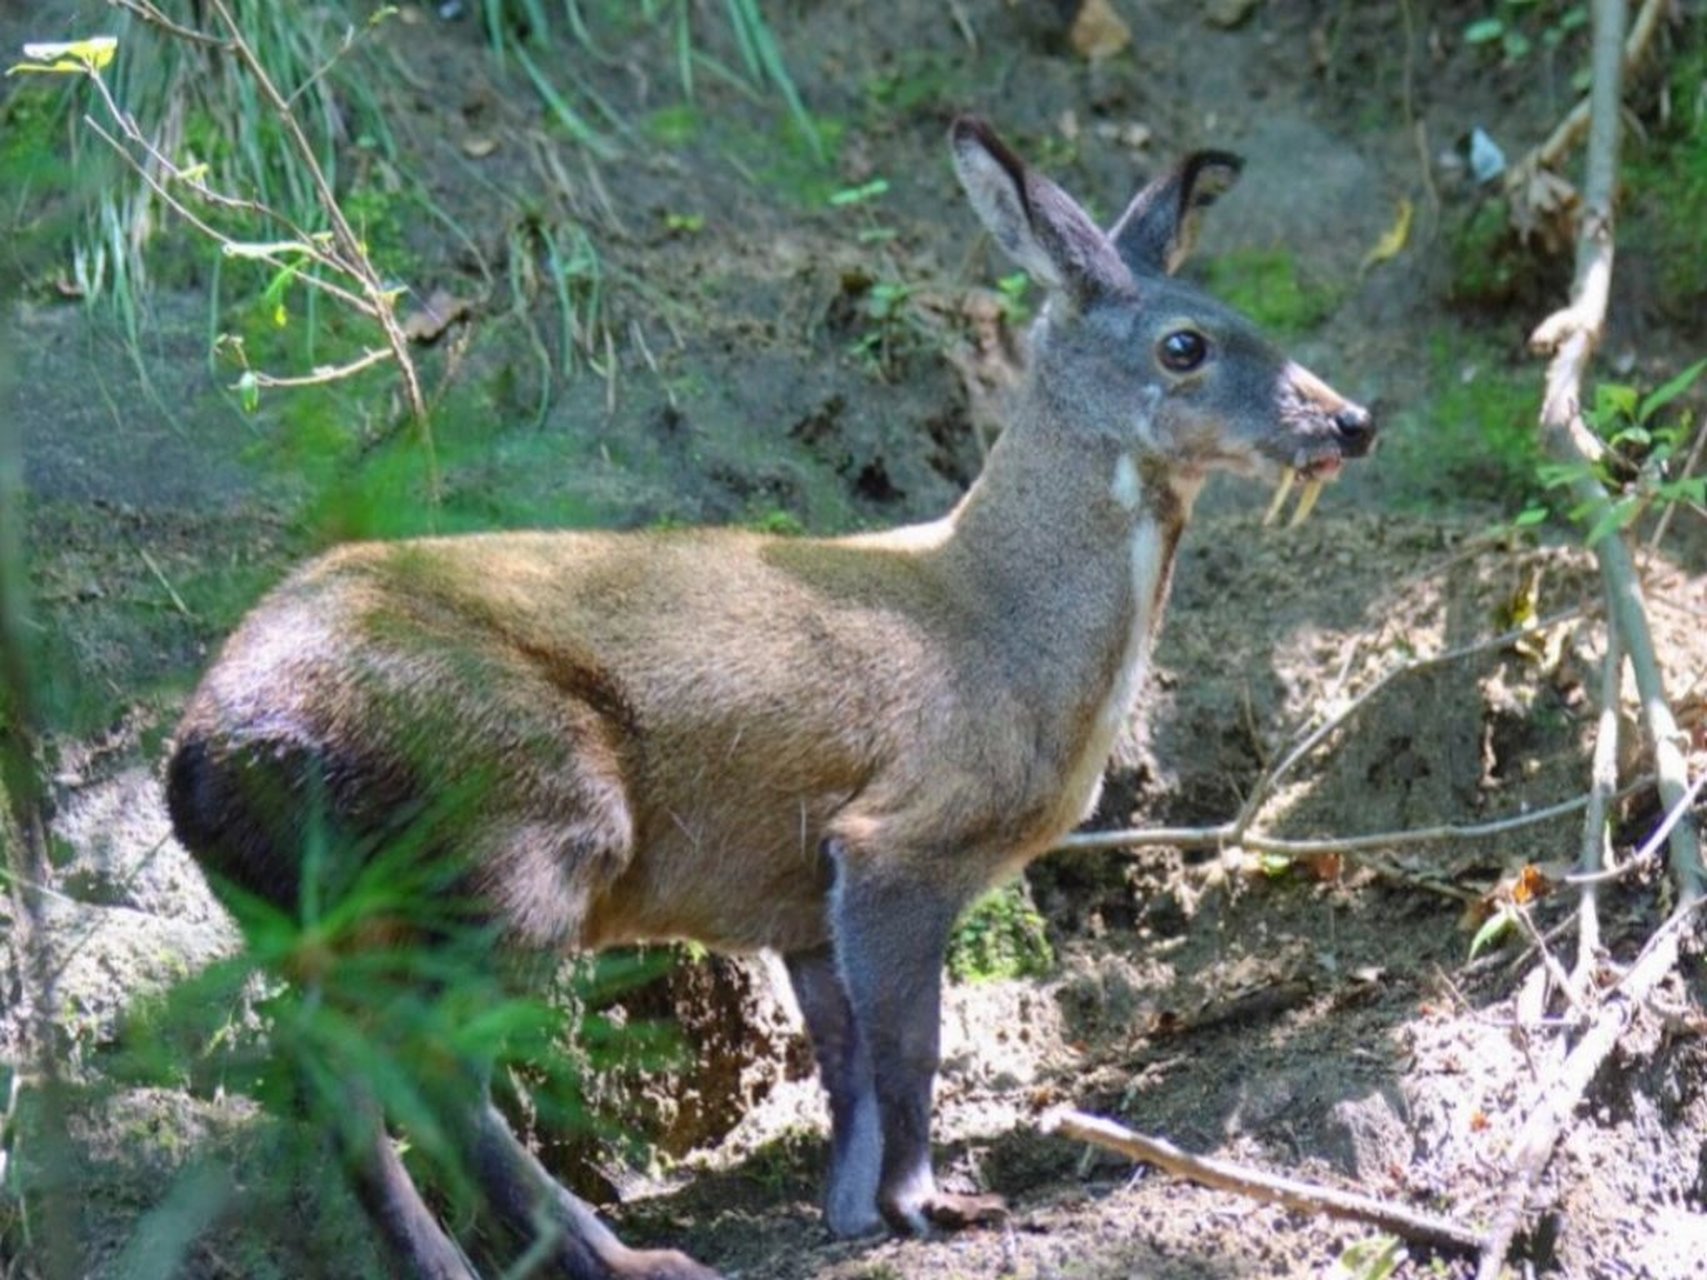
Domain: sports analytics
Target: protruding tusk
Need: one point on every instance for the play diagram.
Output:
(1274, 507)
(1306, 502)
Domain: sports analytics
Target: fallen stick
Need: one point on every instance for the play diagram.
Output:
(1410, 1224)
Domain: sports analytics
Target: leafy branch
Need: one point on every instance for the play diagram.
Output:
(334, 261)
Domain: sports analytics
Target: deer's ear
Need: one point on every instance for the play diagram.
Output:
(1037, 224)
(1159, 228)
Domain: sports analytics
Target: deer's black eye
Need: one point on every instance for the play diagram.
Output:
(1183, 350)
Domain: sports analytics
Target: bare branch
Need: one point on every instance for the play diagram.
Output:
(1224, 1175)
(1226, 834)
(1651, 846)
(154, 17)
(1603, 778)
(1571, 335)
(326, 373)
(1571, 129)
(343, 234)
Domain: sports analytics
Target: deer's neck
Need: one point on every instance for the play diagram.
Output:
(1071, 544)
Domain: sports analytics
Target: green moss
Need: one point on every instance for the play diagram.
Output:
(1475, 438)
(783, 160)
(919, 80)
(1002, 936)
(1267, 285)
(31, 138)
(782, 524)
(1489, 267)
(674, 126)
(380, 219)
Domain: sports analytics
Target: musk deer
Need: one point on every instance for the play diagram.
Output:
(825, 747)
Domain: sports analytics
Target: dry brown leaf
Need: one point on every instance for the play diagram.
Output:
(1543, 207)
(1098, 31)
(1326, 867)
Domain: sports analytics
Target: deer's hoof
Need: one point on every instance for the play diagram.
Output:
(659, 1264)
(945, 1211)
(952, 1212)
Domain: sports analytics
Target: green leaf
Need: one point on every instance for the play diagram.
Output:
(1614, 518)
(1613, 400)
(73, 57)
(263, 249)
(858, 195)
(1670, 391)
(1529, 516)
(1556, 475)
(1488, 29)
(1693, 489)
(1493, 928)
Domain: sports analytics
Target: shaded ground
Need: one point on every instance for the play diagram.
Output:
(1313, 1019)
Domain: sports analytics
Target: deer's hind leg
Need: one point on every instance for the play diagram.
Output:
(558, 1226)
(419, 1247)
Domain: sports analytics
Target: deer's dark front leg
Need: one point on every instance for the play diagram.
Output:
(844, 1067)
(891, 936)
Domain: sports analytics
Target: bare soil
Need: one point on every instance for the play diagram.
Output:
(1320, 1017)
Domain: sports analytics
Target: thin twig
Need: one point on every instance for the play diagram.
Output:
(352, 300)
(378, 294)
(327, 373)
(177, 600)
(1651, 846)
(1224, 1175)
(154, 17)
(1684, 472)
(1227, 834)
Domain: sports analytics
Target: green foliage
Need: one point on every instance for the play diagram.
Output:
(920, 81)
(1514, 28)
(1012, 290)
(1642, 441)
(890, 329)
(1665, 176)
(675, 125)
(381, 984)
(778, 523)
(1267, 285)
(1490, 266)
(1475, 438)
(1002, 936)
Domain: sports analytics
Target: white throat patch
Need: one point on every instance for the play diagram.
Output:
(1125, 488)
(1148, 555)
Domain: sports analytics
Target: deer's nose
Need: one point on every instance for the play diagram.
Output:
(1356, 430)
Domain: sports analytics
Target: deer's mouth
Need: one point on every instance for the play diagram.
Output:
(1308, 475)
